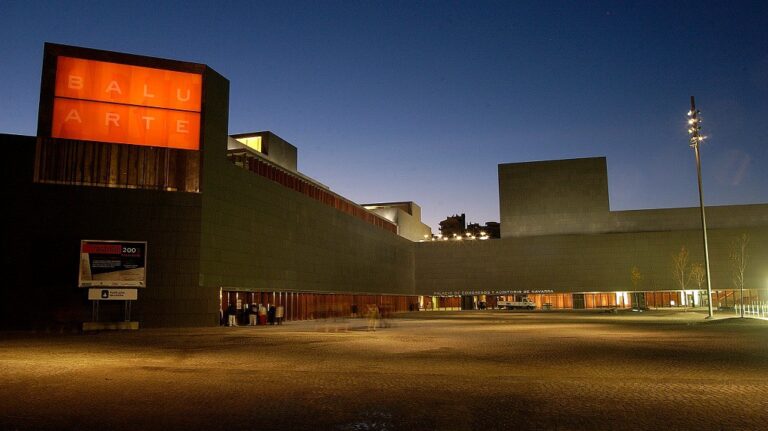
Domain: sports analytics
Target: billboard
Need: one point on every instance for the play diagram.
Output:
(100, 96)
(113, 264)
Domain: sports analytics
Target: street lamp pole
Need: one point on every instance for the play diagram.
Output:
(694, 128)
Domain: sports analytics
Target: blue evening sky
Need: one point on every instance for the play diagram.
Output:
(392, 101)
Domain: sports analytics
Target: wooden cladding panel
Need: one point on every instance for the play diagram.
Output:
(308, 306)
(63, 161)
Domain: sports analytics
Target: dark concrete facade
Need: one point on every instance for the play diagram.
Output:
(41, 240)
(553, 197)
(558, 197)
(258, 235)
(559, 235)
(581, 263)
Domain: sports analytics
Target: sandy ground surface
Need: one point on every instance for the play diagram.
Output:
(489, 370)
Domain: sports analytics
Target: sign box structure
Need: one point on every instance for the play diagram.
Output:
(119, 120)
(126, 104)
(113, 264)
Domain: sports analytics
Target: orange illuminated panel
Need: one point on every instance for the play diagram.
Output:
(126, 124)
(101, 81)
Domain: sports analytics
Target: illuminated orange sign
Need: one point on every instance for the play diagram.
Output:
(110, 102)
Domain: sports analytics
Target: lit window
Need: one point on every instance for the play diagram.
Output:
(253, 142)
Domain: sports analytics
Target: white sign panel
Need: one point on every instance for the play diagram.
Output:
(113, 294)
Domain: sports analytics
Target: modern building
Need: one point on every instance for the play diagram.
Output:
(561, 245)
(407, 217)
(133, 148)
(133, 203)
(453, 226)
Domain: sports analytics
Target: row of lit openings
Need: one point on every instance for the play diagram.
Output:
(688, 298)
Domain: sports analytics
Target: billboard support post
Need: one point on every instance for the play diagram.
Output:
(94, 311)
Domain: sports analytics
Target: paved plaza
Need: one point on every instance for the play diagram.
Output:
(484, 370)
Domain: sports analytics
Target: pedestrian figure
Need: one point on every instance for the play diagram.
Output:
(253, 314)
(232, 315)
(373, 317)
(262, 315)
(280, 314)
(384, 316)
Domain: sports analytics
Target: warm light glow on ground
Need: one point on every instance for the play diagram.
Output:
(429, 370)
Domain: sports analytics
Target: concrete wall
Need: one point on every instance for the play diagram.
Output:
(259, 235)
(571, 197)
(41, 240)
(718, 217)
(581, 263)
(553, 197)
(409, 226)
(281, 152)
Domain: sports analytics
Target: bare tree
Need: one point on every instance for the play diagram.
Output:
(698, 274)
(739, 259)
(636, 277)
(681, 271)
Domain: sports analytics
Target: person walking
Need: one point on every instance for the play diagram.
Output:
(373, 317)
(231, 315)
(253, 314)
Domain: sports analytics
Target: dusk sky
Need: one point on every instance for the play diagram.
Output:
(420, 101)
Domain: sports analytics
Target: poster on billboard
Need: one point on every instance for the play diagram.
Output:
(113, 263)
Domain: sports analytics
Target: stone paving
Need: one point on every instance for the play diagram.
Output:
(485, 370)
